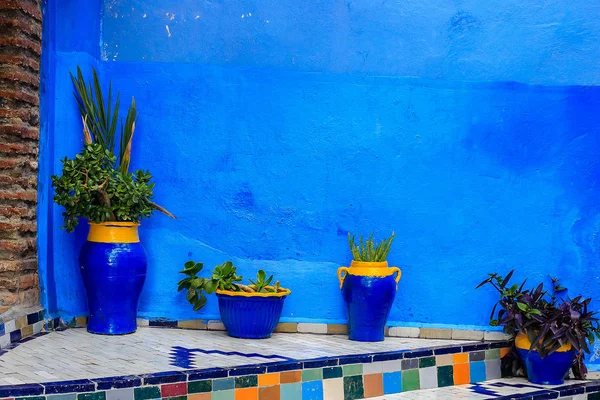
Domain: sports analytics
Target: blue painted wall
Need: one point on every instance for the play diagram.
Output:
(274, 127)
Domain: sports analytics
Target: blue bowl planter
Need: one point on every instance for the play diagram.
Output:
(550, 370)
(369, 289)
(251, 315)
(113, 266)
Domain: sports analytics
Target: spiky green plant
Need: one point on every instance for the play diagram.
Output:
(368, 250)
(100, 121)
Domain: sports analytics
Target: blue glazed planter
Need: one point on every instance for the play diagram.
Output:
(113, 267)
(369, 290)
(250, 315)
(550, 370)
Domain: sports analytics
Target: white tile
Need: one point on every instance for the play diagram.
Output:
(215, 326)
(312, 328)
(372, 368)
(4, 340)
(120, 394)
(407, 332)
(333, 389)
(428, 377)
(38, 327)
(142, 322)
(9, 326)
(467, 334)
(495, 336)
(392, 365)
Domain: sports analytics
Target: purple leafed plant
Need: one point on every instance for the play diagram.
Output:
(548, 322)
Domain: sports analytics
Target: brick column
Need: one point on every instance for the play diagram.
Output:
(20, 49)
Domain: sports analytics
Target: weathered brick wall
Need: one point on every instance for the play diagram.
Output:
(20, 49)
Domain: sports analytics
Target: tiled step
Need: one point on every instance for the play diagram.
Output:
(161, 363)
(505, 389)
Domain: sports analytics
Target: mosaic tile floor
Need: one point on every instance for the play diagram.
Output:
(76, 354)
(497, 389)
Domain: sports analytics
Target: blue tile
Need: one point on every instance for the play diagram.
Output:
(475, 347)
(543, 395)
(15, 336)
(163, 322)
(312, 390)
(477, 371)
(247, 370)
(2, 332)
(80, 385)
(447, 350)
(283, 366)
(164, 377)
(30, 389)
(210, 373)
(392, 382)
(33, 318)
(27, 339)
(355, 359)
(291, 391)
(321, 362)
(3, 352)
(118, 382)
(223, 384)
(592, 387)
(389, 356)
(499, 345)
(570, 390)
(418, 353)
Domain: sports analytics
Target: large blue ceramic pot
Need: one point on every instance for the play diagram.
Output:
(113, 266)
(550, 370)
(251, 315)
(369, 289)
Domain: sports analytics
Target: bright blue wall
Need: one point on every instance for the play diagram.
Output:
(272, 135)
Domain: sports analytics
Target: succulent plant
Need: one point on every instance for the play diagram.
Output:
(368, 250)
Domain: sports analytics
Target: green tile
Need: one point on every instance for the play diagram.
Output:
(146, 393)
(177, 398)
(70, 396)
(92, 396)
(332, 372)
(222, 384)
(410, 380)
(223, 395)
(353, 369)
(200, 386)
(426, 362)
(353, 387)
(31, 398)
(246, 381)
(593, 396)
(445, 376)
(315, 374)
(492, 354)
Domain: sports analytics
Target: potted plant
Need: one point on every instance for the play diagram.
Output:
(247, 311)
(551, 334)
(97, 185)
(369, 288)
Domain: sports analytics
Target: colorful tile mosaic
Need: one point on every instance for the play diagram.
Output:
(23, 328)
(343, 377)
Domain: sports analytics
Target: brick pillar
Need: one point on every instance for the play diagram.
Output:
(20, 49)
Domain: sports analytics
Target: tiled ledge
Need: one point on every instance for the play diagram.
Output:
(337, 329)
(344, 376)
(22, 327)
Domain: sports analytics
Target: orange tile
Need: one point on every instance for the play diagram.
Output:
(268, 379)
(269, 393)
(246, 394)
(290, 376)
(462, 374)
(373, 385)
(200, 396)
(504, 351)
(460, 358)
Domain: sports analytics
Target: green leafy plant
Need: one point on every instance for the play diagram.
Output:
(96, 184)
(223, 277)
(261, 283)
(368, 250)
(91, 187)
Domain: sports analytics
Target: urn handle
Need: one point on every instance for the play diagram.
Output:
(341, 273)
(396, 269)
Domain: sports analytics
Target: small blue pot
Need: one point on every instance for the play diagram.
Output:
(550, 370)
(369, 289)
(250, 315)
(113, 267)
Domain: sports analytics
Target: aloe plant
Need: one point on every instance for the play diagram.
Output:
(369, 251)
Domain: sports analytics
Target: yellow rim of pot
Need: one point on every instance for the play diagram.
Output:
(364, 268)
(246, 294)
(114, 232)
(522, 342)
